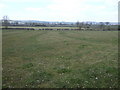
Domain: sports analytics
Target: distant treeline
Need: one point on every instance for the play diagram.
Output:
(101, 26)
(79, 26)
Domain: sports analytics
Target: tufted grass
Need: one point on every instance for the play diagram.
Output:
(60, 59)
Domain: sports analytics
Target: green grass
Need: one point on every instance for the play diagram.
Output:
(60, 59)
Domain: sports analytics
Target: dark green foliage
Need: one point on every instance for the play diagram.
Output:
(63, 70)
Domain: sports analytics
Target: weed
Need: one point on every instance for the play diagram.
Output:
(27, 65)
(63, 70)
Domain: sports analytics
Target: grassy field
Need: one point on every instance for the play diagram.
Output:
(60, 59)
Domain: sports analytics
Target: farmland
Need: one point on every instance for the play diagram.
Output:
(60, 59)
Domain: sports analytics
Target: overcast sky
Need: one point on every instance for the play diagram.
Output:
(60, 10)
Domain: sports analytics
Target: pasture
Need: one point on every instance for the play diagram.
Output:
(59, 59)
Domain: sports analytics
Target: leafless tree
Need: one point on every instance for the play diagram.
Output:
(79, 25)
(101, 25)
(5, 21)
(107, 23)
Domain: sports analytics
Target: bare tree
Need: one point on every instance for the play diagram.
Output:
(101, 25)
(79, 25)
(108, 25)
(5, 21)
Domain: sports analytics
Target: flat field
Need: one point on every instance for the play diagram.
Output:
(60, 59)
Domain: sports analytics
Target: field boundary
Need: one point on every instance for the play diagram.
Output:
(51, 29)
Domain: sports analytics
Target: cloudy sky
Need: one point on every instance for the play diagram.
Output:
(60, 10)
